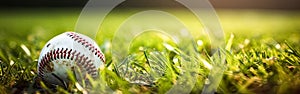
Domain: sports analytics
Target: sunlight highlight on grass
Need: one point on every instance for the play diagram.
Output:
(262, 56)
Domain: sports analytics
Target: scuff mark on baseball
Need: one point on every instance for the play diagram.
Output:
(69, 51)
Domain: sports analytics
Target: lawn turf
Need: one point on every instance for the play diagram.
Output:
(264, 56)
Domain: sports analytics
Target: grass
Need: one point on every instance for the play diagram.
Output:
(263, 55)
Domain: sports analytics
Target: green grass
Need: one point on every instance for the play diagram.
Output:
(264, 56)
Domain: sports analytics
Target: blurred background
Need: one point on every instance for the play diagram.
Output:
(236, 16)
(231, 4)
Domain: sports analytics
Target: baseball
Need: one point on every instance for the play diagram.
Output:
(72, 52)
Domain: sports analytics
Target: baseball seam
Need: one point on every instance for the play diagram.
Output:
(65, 53)
(86, 44)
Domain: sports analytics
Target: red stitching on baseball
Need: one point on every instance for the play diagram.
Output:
(86, 44)
(57, 54)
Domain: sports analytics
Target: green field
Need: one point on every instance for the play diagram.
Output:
(263, 55)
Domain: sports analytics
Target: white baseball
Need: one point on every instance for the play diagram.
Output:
(69, 51)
